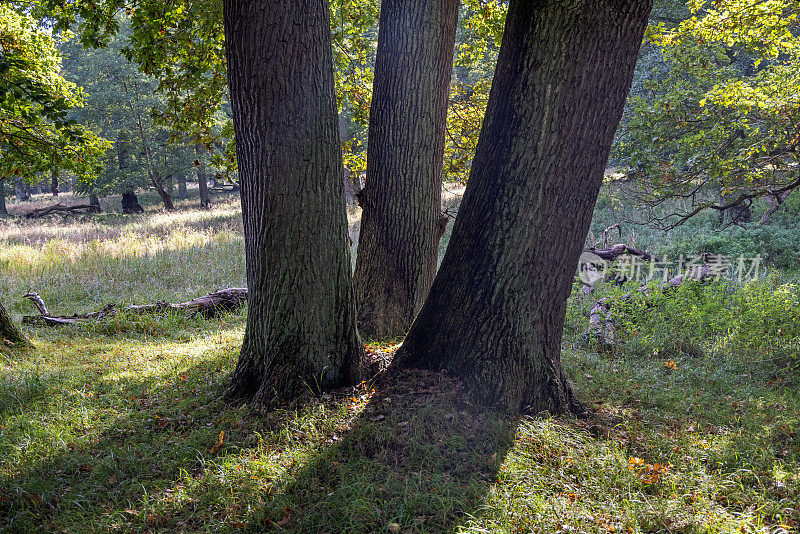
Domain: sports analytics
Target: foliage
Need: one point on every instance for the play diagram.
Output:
(36, 133)
(120, 100)
(717, 320)
(722, 127)
(477, 44)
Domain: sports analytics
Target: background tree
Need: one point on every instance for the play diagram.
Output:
(9, 333)
(563, 73)
(3, 210)
(301, 323)
(401, 221)
(723, 126)
(36, 134)
(120, 102)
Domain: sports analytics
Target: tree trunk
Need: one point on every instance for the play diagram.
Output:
(3, 210)
(21, 189)
(402, 222)
(130, 204)
(202, 179)
(54, 182)
(182, 187)
(166, 199)
(9, 333)
(301, 323)
(495, 313)
(95, 203)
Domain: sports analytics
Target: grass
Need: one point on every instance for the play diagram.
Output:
(119, 427)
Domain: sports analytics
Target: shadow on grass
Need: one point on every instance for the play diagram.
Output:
(163, 452)
(414, 459)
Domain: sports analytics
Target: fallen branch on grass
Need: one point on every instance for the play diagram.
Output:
(211, 305)
(61, 208)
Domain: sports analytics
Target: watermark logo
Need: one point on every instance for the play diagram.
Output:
(591, 268)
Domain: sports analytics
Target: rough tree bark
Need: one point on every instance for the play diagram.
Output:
(301, 324)
(202, 180)
(495, 313)
(402, 222)
(9, 333)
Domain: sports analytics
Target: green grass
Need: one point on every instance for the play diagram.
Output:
(119, 426)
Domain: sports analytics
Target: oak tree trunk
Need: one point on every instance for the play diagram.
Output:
(182, 187)
(130, 203)
(301, 324)
(9, 333)
(495, 313)
(166, 198)
(54, 182)
(3, 210)
(202, 180)
(22, 190)
(94, 201)
(401, 221)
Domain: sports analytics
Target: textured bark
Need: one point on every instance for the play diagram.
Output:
(202, 179)
(401, 222)
(495, 313)
(130, 204)
(9, 333)
(301, 324)
(3, 210)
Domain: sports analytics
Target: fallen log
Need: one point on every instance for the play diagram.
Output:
(41, 212)
(209, 306)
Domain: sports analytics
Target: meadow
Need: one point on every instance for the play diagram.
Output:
(120, 426)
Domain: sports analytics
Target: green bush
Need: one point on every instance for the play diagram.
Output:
(759, 317)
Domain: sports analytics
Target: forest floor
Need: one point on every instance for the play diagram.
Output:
(120, 426)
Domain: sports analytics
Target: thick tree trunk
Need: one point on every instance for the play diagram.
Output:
(3, 210)
(301, 323)
(54, 182)
(9, 333)
(130, 204)
(402, 222)
(495, 313)
(21, 190)
(95, 203)
(182, 187)
(202, 179)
